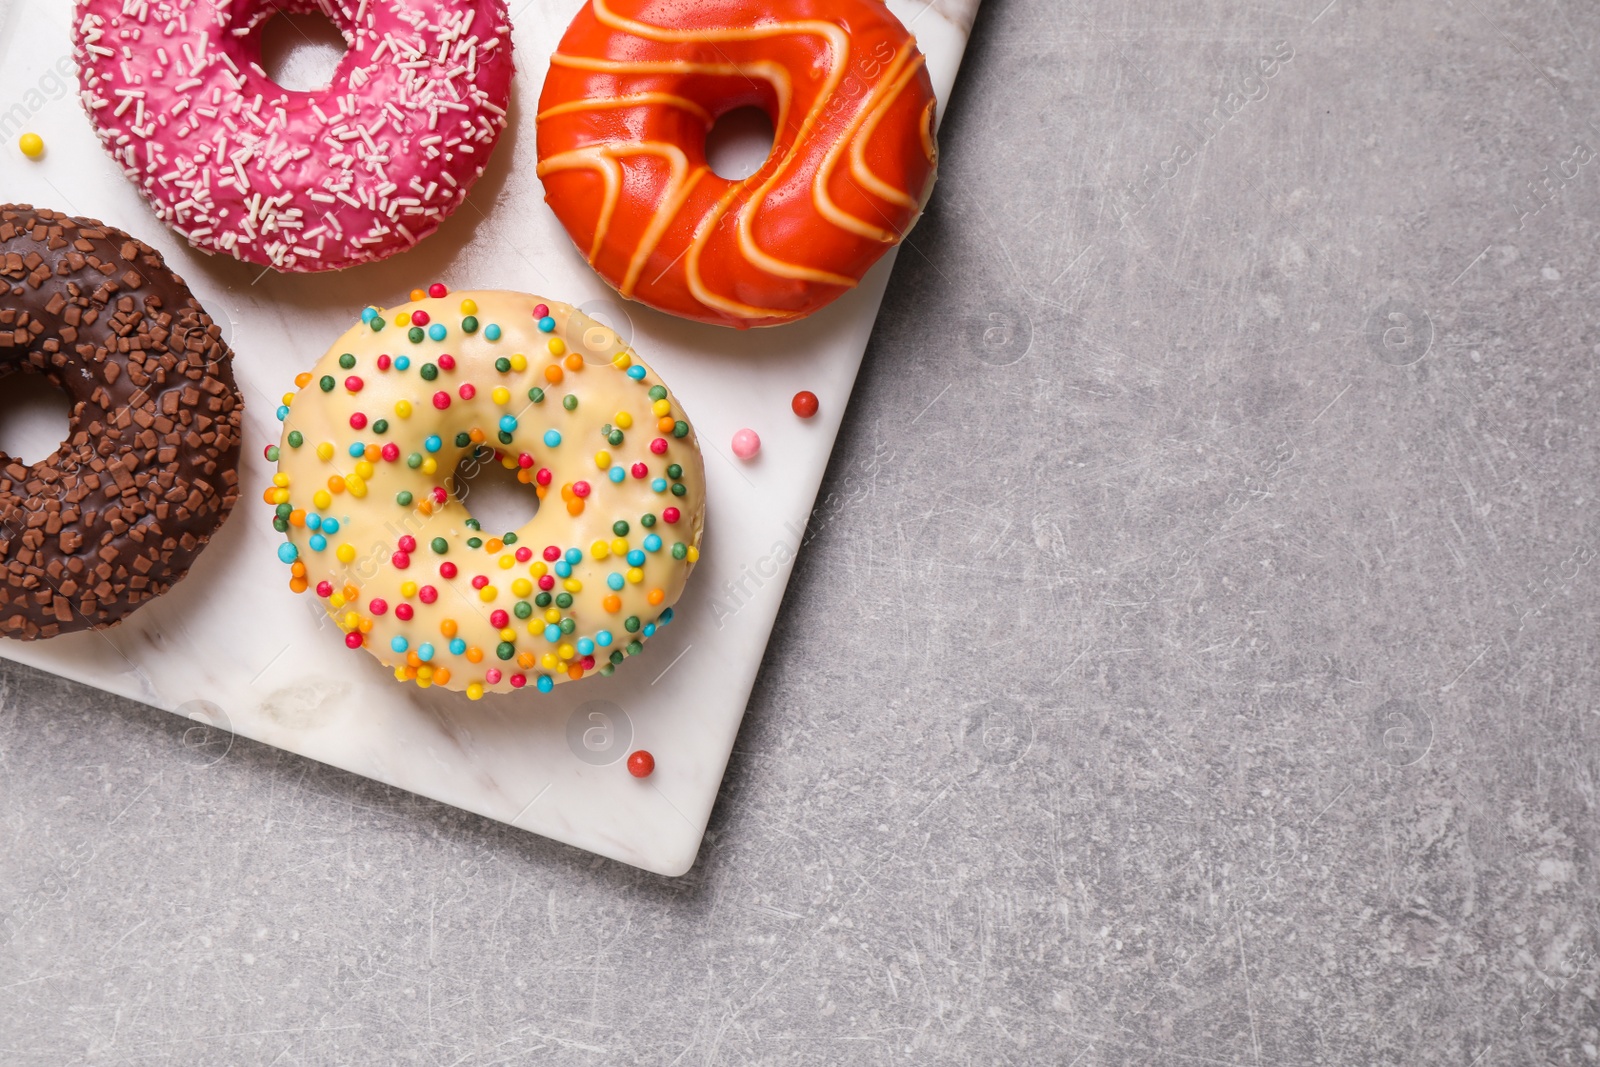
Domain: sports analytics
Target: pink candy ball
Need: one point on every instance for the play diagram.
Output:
(746, 443)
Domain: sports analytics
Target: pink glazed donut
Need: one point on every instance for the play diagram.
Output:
(298, 181)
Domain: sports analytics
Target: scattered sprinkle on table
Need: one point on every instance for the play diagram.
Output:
(746, 443)
(805, 403)
(32, 145)
(641, 764)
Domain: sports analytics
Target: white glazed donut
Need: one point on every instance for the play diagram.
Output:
(376, 525)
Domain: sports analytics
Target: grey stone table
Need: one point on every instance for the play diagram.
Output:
(1192, 660)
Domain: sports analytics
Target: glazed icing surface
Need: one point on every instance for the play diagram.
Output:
(298, 181)
(631, 95)
(376, 515)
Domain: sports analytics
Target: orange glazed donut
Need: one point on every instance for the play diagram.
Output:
(637, 85)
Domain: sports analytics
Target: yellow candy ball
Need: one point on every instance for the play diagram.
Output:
(572, 585)
(501, 394)
(635, 575)
(474, 689)
(519, 362)
(364, 469)
(507, 561)
(623, 420)
(346, 553)
(521, 588)
(488, 593)
(694, 555)
(508, 634)
(662, 407)
(548, 661)
(557, 346)
(322, 499)
(599, 550)
(32, 145)
(429, 465)
(469, 307)
(402, 408)
(619, 547)
(602, 459)
(552, 616)
(325, 451)
(566, 651)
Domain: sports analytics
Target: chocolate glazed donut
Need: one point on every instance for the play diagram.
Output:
(149, 467)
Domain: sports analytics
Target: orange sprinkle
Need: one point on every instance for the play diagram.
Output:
(302, 379)
(476, 434)
(574, 362)
(270, 496)
(298, 568)
(441, 675)
(474, 654)
(412, 660)
(298, 584)
(494, 544)
(541, 490)
(575, 507)
(552, 373)
(297, 517)
(365, 626)
(448, 627)
(567, 493)
(410, 672)
(575, 672)
(426, 506)
(350, 592)
(418, 294)
(524, 476)
(666, 424)
(656, 596)
(525, 660)
(612, 603)
(335, 484)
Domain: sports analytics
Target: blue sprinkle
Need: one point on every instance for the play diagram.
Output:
(313, 522)
(544, 683)
(433, 443)
(368, 314)
(318, 542)
(614, 580)
(552, 438)
(585, 647)
(616, 474)
(399, 644)
(563, 569)
(649, 629)
(652, 543)
(358, 450)
(436, 332)
(636, 558)
(492, 332)
(402, 362)
(508, 423)
(547, 324)
(288, 553)
(603, 638)
(330, 526)
(424, 652)
(457, 646)
(636, 372)
(552, 633)
(659, 485)
(666, 617)
(283, 412)
(574, 556)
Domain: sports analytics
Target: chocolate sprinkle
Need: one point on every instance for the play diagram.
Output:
(149, 467)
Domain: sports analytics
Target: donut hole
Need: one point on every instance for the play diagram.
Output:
(34, 416)
(301, 52)
(739, 143)
(499, 502)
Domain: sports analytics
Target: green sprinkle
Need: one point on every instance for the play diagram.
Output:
(272, 453)
(620, 527)
(615, 437)
(463, 439)
(679, 550)
(283, 511)
(327, 383)
(543, 600)
(505, 650)
(281, 525)
(510, 538)
(381, 426)
(414, 460)
(429, 372)
(347, 361)
(377, 324)
(536, 395)
(634, 648)
(416, 334)
(522, 610)
(563, 600)
(474, 524)
(631, 624)
(505, 437)
(569, 402)
(439, 545)
(474, 542)
(616, 657)
(403, 498)
(647, 520)
(680, 429)
(607, 670)
(658, 392)
(678, 489)
(469, 324)
(567, 626)
(296, 439)
(502, 364)
(674, 471)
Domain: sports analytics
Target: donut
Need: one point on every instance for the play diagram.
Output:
(149, 466)
(371, 497)
(297, 181)
(632, 93)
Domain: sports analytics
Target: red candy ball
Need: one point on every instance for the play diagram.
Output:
(352, 639)
(324, 589)
(438, 291)
(378, 605)
(441, 400)
(580, 489)
(404, 612)
(468, 391)
(447, 569)
(407, 543)
(671, 515)
(805, 403)
(427, 594)
(447, 362)
(641, 764)
(353, 383)
(419, 318)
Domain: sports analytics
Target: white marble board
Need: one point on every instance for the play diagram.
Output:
(232, 647)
